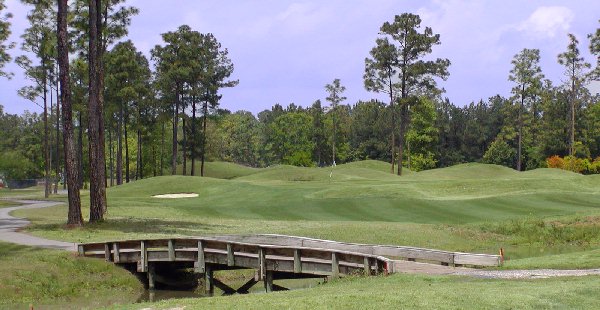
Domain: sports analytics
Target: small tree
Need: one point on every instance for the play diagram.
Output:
(527, 76)
(404, 63)
(575, 71)
(335, 91)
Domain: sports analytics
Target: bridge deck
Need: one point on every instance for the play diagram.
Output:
(272, 256)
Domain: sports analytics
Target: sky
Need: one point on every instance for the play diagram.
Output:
(287, 51)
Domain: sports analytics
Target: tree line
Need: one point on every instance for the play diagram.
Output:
(118, 116)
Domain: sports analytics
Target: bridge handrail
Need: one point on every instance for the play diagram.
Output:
(405, 252)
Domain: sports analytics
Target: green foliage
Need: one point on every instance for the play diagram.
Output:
(292, 139)
(4, 34)
(15, 166)
(500, 153)
(595, 50)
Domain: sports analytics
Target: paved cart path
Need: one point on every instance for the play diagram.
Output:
(10, 232)
(10, 226)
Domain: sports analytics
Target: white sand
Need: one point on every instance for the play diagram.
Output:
(173, 196)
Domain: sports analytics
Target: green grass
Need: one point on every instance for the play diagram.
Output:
(219, 170)
(32, 193)
(470, 207)
(412, 292)
(544, 218)
(6, 204)
(56, 279)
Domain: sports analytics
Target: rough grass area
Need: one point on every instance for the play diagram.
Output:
(6, 204)
(411, 292)
(60, 280)
(32, 193)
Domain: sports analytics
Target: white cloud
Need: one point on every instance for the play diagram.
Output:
(547, 22)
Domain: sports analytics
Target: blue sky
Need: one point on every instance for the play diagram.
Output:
(286, 51)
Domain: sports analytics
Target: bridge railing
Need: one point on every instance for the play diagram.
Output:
(390, 251)
(232, 254)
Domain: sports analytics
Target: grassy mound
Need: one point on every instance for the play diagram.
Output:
(468, 171)
(47, 278)
(220, 170)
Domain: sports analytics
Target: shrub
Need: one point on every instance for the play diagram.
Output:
(555, 162)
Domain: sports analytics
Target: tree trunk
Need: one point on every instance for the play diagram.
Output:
(111, 157)
(184, 145)
(80, 151)
(140, 170)
(162, 148)
(333, 140)
(573, 96)
(194, 135)
(404, 119)
(57, 140)
(175, 128)
(205, 112)
(120, 147)
(46, 137)
(520, 132)
(98, 205)
(74, 217)
(126, 146)
(393, 123)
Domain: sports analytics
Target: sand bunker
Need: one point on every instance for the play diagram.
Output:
(179, 195)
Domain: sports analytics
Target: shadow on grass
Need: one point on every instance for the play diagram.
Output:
(8, 250)
(141, 226)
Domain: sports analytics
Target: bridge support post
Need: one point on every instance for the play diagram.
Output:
(209, 285)
(151, 277)
(367, 266)
(335, 266)
(269, 281)
(200, 262)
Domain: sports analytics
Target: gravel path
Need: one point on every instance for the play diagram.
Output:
(431, 269)
(10, 226)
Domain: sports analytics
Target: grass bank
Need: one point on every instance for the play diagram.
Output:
(412, 292)
(49, 279)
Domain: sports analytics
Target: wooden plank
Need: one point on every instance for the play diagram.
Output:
(262, 263)
(244, 289)
(200, 263)
(335, 266)
(107, 253)
(143, 262)
(297, 261)
(269, 282)
(227, 290)
(230, 255)
(477, 259)
(209, 287)
(367, 266)
(151, 277)
(116, 253)
(171, 250)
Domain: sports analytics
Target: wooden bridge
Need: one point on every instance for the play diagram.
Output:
(273, 257)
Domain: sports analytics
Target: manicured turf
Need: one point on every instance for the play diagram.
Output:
(467, 207)
(45, 278)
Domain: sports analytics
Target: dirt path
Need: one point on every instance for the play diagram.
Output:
(10, 226)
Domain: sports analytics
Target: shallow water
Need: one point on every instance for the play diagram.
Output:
(258, 288)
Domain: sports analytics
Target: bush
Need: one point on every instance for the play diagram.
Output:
(555, 162)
